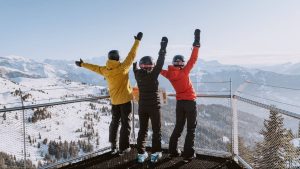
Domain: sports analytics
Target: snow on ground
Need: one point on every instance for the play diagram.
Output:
(296, 142)
(11, 135)
(64, 121)
(6, 98)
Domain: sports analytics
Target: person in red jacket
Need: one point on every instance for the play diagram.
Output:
(178, 75)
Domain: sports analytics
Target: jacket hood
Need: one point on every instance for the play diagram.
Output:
(111, 64)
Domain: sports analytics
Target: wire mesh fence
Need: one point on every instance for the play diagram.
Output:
(59, 133)
(267, 138)
(51, 135)
(12, 144)
(213, 130)
(48, 135)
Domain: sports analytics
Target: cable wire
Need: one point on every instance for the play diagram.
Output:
(65, 98)
(269, 99)
(282, 87)
(212, 82)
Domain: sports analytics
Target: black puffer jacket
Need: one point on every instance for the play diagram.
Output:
(148, 83)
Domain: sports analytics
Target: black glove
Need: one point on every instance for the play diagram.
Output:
(197, 38)
(134, 65)
(78, 63)
(139, 36)
(164, 43)
(163, 46)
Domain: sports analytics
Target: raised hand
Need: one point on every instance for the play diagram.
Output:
(164, 43)
(197, 38)
(139, 36)
(134, 66)
(78, 63)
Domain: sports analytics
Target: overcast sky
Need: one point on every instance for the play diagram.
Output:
(233, 32)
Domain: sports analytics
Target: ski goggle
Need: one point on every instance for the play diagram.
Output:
(144, 66)
(178, 63)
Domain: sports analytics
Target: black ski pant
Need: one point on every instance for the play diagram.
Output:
(154, 114)
(120, 113)
(185, 111)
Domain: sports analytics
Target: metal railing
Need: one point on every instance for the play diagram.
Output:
(36, 121)
(228, 126)
(26, 133)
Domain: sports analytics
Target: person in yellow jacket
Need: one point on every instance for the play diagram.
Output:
(116, 74)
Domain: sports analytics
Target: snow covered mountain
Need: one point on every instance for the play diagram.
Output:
(14, 67)
(286, 68)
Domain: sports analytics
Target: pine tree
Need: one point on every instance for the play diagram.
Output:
(245, 152)
(51, 148)
(73, 149)
(4, 116)
(45, 141)
(16, 116)
(29, 138)
(290, 151)
(47, 157)
(276, 150)
(40, 164)
(298, 130)
(58, 151)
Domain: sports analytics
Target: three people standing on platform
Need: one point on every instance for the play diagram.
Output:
(116, 74)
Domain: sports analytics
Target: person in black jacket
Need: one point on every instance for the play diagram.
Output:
(149, 103)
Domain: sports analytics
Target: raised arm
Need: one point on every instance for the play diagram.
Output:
(164, 73)
(161, 57)
(94, 68)
(193, 59)
(132, 54)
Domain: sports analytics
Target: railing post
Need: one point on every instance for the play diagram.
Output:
(24, 129)
(235, 141)
(133, 121)
(234, 132)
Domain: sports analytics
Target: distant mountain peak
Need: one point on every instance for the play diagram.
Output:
(16, 58)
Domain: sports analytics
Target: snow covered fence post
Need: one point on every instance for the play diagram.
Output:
(24, 129)
(133, 120)
(234, 139)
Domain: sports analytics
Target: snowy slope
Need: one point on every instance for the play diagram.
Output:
(64, 120)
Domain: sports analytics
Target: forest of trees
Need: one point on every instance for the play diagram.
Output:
(39, 114)
(65, 150)
(10, 162)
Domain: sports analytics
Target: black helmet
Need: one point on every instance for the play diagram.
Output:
(146, 63)
(113, 55)
(178, 60)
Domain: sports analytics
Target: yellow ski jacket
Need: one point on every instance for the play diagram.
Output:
(116, 74)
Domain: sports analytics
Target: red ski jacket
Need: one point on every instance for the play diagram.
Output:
(180, 80)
